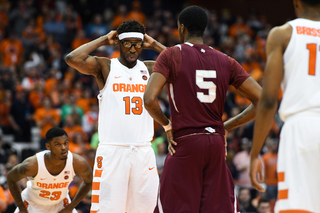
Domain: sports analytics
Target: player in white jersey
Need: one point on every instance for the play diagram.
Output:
(293, 59)
(125, 175)
(50, 172)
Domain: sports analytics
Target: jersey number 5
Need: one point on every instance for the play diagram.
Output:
(312, 58)
(209, 85)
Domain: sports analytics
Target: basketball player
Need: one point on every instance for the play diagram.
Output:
(50, 172)
(125, 174)
(195, 177)
(293, 59)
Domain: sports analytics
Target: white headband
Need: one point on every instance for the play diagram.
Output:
(131, 35)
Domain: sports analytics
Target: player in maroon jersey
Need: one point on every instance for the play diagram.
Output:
(195, 176)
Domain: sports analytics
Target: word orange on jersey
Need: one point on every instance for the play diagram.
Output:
(129, 87)
(308, 31)
(53, 185)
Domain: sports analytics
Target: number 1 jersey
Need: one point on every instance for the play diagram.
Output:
(301, 81)
(123, 120)
(198, 78)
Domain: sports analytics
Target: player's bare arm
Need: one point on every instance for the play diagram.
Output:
(251, 90)
(28, 168)
(82, 168)
(150, 43)
(154, 88)
(277, 42)
(92, 65)
(149, 65)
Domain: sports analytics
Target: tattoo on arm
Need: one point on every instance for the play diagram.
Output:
(23, 169)
(150, 66)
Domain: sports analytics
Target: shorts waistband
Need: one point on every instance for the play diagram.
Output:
(196, 131)
(125, 145)
(306, 113)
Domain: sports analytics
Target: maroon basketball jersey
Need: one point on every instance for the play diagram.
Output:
(198, 78)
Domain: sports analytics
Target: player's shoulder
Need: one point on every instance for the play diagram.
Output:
(280, 33)
(77, 159)
(31, 160)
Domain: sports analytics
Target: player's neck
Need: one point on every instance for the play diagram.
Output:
(53, 160)
(194, 40)
(311, 14)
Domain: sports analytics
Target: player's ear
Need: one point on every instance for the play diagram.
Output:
(48, 146)
(183, 28)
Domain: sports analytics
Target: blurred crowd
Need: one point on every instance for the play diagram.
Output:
(39, 90)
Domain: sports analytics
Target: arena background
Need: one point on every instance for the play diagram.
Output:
(38, 90)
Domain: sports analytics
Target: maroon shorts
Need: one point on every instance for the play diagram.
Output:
(197, 179)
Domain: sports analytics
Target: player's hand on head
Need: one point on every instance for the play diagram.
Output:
(256, 173)
(171, 142)
(112, 38)
(147, 41)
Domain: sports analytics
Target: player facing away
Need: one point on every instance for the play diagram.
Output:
(293, 60)
(50, 172)
(195, 177)
(125, 175)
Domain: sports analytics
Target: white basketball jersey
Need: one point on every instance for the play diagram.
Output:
(123, 119)
(301, 82)
(47, 189)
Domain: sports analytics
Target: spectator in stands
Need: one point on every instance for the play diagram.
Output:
(80, 39)
(71, 108)
(120, 16)
(90, 118)
(264, 206)
(11, 51)
(19, 17)
(21, 113)
(5, 106)
(94, 142)
(270, 165)
(97, 27)
(3, 200)
(161, 156)
(72, 127)
(245, 201)
(136, 12)
(242, 162)
(46, 118)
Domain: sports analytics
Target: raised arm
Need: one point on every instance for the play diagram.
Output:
(82, 168)
(151, 43)
(28, 168)
(91, 65)
(277, 42)
(251, 90)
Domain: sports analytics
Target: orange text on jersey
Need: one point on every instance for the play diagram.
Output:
(53, 185)
(129, 87)
(308, 31)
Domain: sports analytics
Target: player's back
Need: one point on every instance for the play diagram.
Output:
(198, 91)
(301, 82)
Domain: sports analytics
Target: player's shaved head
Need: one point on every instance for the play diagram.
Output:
(311, 2)
(55, 132)
(195, 19)
(131, 26)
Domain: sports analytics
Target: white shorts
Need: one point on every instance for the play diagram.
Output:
(37, 208)
(298, 165)
(125, 179)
